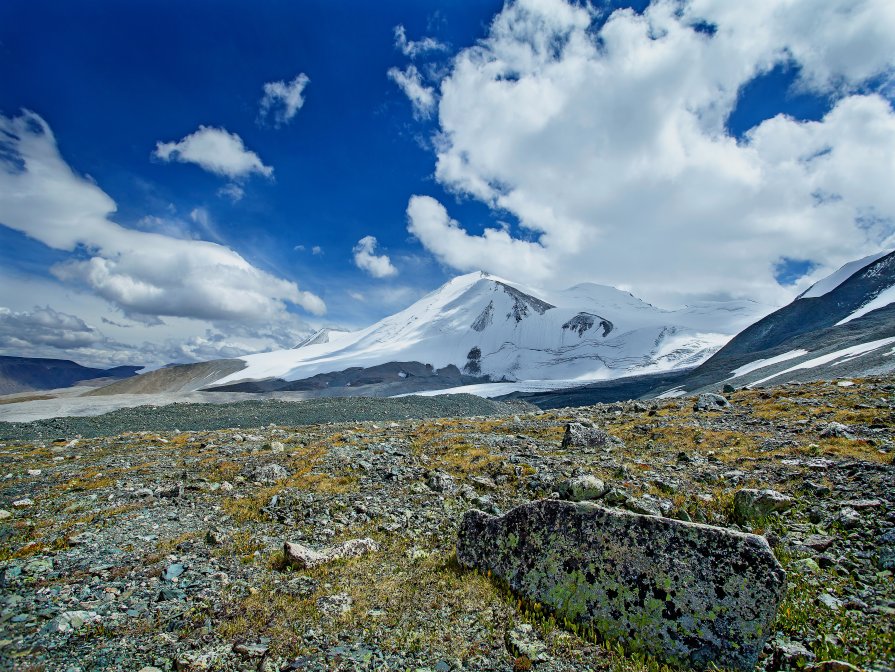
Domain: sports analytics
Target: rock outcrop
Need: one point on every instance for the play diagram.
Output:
(302, 557)
(580, 435)
(750, 504)
(688, 594)
(710, 402)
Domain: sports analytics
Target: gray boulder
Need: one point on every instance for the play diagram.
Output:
(582, 488)
(583, 436)
(689, 594)
(836, 430)
(270, 473)
(749, 504)
(302, 557)
(710, 402)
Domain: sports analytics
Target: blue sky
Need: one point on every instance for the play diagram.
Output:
(659, 148)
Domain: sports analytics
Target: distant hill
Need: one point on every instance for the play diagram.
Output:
(27, 374)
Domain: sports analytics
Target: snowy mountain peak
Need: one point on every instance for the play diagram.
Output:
(493, 327)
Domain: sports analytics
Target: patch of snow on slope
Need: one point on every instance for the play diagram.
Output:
(672, 393)
(761, 363)
(882, 300)
(498, 389)
(832, 281)
(837, 357)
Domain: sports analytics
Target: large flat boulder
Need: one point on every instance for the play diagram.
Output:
(688, 594)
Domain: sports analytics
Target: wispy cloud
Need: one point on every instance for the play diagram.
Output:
(414, 48)
(282, 100)
(410, 81)
(215, 150)
(232, 191)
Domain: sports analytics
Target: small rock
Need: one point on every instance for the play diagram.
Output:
(171, 492)
(819, 542)
(483, 482)
(750, 504)
(302, 557)
(806, 565)
(335, 605)
(830, 602)
(582, 488)
(817, 489)
(204, 659)
(257, 650)
(579, 435)
(728, 388)
(836, 430)
(70, 620)
(863, 504)
(644, 506)
(277, 447)
(4, 514)
(23, 503)
(791, 655)
(173, 571)
(885, 548)
(522, 640)
(709, 401)
(617, 496)
(441, 482)
(848, 518)
(270, 473)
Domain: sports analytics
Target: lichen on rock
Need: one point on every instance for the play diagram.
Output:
(689, 594)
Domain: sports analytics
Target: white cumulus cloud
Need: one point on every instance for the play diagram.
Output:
(282, 100)
(379, 266)
(215, 150)
(606, 139)
(410, 81)
(145, 274)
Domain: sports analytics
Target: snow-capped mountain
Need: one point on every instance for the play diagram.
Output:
(842, 326)
(487, 326)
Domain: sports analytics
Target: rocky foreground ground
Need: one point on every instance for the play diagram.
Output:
(165, 549)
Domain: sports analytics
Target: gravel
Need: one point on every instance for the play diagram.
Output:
(199, 417)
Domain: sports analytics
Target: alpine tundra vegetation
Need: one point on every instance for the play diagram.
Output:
(164, 547)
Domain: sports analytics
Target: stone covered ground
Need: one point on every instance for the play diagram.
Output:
(163, 549)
